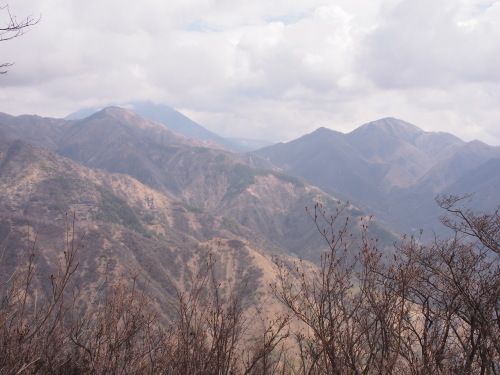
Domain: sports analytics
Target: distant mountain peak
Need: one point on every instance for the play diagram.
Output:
(117, 112)
(114, 110)
(174, 120)
(323, 130)
(390, 125)
(123, 117)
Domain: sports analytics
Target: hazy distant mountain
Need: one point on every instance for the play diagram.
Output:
(484, 181)
(179, 123)
(390, 168)
(243, 144)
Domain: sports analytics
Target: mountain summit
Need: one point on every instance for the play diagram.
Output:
(389, 167)
(390, 126)
(178, 123)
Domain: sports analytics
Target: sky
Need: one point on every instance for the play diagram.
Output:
(263, 69)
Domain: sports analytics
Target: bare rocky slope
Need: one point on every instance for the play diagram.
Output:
(127, 228)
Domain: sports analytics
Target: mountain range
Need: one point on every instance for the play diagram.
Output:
(152, 199)
(393, 170)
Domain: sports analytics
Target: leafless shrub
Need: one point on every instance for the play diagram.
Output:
(119, 332)
(33, 319)
(455, 293)
(427, 309)
(213, 334)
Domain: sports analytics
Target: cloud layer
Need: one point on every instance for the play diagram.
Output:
(265, 70)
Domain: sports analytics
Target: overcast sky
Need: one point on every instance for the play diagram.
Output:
(264, 69)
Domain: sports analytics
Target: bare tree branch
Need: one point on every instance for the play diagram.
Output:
(484, 227)
(12, 28)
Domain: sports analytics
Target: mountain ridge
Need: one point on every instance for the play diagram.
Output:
(388, 167)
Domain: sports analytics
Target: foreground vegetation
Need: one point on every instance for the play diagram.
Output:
(423, 309)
